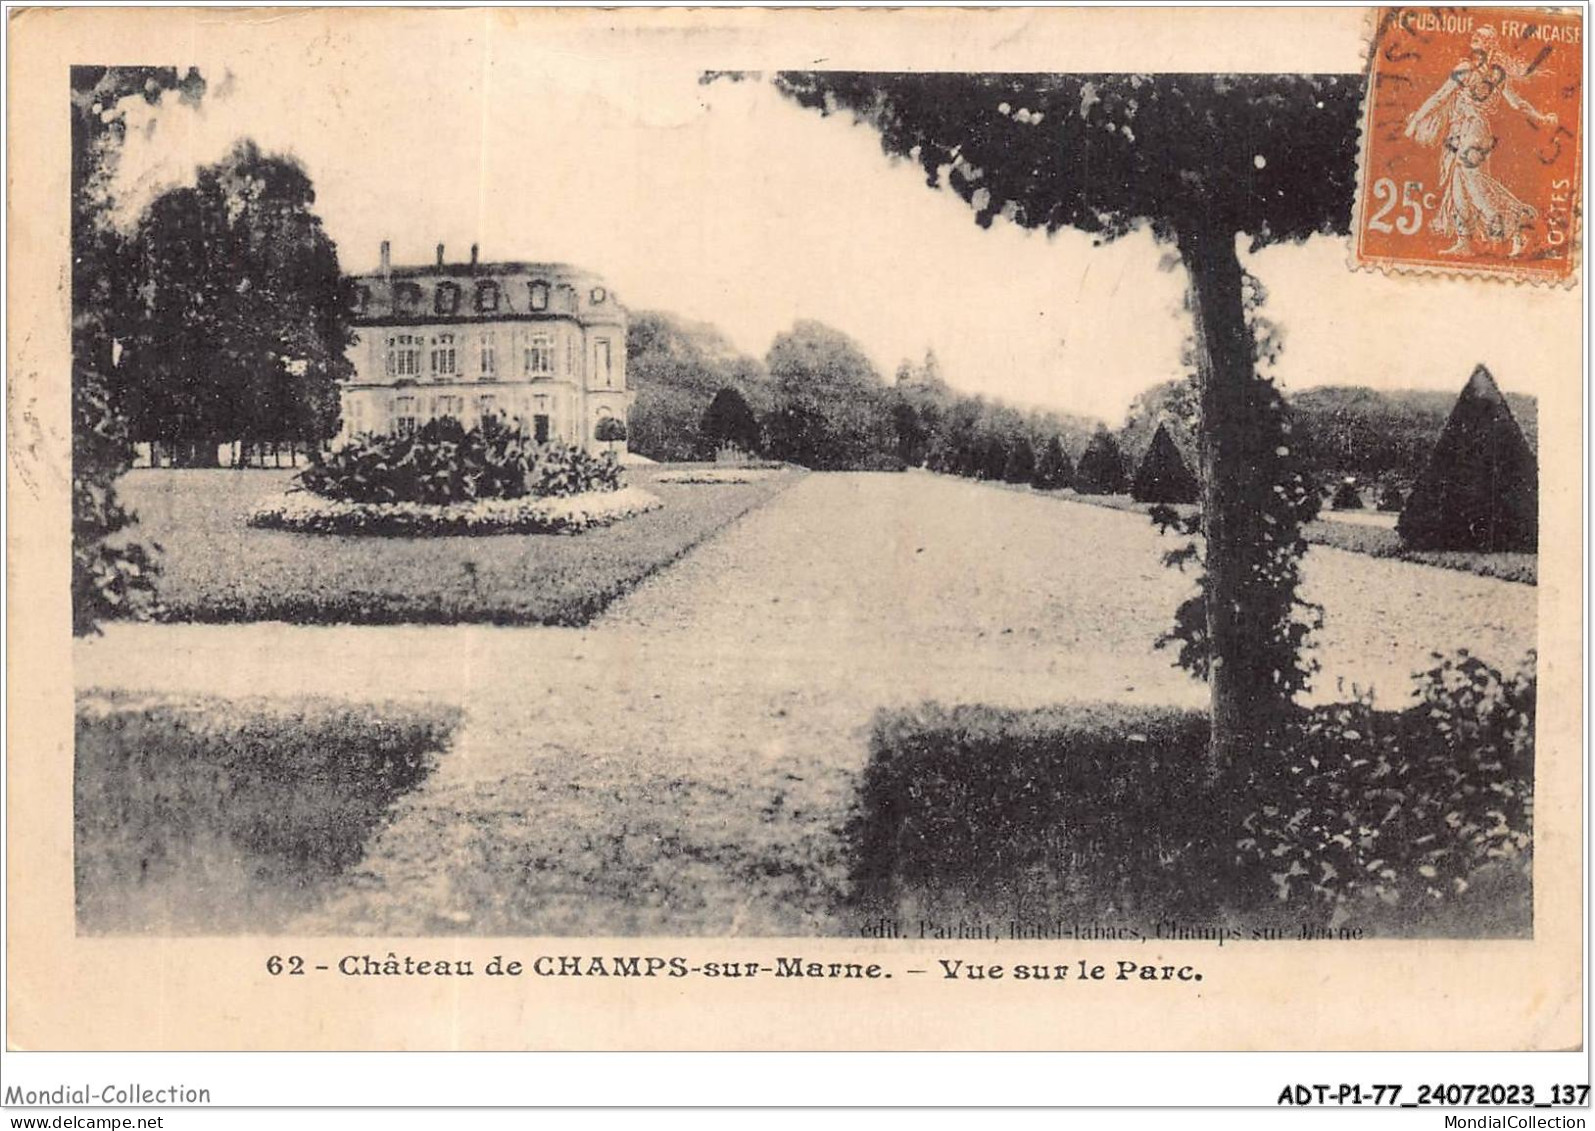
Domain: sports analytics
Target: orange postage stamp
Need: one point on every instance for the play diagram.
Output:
(1471, 143)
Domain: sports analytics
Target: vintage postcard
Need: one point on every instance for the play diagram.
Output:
(744, 529)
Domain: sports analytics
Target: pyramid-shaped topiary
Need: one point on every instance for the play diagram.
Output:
(1481, 490)
(1053, 470)
(1163, 476)
(1101, 467)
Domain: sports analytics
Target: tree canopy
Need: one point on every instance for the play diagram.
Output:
(831, 405)
(243, 319)
(676, 367)
(1270, 155)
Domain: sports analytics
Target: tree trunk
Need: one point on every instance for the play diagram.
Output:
(1225, 366)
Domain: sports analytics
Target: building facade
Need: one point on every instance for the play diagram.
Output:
(539, 343)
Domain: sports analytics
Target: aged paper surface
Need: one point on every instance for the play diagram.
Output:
(416, 104)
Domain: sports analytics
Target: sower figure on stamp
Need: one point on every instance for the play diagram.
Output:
(1473, 204)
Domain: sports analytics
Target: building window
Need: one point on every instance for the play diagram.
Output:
(486, 295)
(489, 357)
(539, 296)
(540, 427)
(407, 295)
(570, 356)
(404, 415)
(362, 299)
(446, 299)
(443, 356)
(539, 355)
(598, 296)
(449, 406)
(404, 356)
(602, 369)
(487, 405)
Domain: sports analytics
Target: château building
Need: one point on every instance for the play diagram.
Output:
(541, 343)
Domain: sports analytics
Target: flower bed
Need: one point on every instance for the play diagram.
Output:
(717, 475)
(306, 513)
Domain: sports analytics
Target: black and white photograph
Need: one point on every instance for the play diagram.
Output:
(542, 477)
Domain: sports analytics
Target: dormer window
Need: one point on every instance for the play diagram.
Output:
(598, 295)
(539, 296)
(362, 299)
(446, 299)
(486, 296)
(407, 296)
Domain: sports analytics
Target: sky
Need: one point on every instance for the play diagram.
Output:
(729, 204)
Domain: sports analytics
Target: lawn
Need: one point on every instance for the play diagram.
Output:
(1363, 538)
(201, 814)
(689, 764)
(214, 567)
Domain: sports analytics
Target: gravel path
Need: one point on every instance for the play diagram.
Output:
(684, 764)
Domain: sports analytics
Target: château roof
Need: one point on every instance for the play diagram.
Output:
(473, 291)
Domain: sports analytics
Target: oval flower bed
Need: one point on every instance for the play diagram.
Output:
(306, 513)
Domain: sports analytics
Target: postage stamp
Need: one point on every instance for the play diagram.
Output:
(1471, 143)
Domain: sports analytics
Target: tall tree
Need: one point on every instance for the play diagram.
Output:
(1200, 159)
(109, 578)
(676, 367)
(831, 404)
(245, 314)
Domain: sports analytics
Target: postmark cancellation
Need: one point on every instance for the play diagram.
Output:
(1472, 143)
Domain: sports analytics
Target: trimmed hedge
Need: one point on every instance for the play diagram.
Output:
(182, 805)
(1389, 818)
(1481, 489)
(303, 513)
(979, 797)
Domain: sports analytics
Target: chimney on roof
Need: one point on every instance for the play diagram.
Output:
(387, 258)
(440, 255)
(474, 250)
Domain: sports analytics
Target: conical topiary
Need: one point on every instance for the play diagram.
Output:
(1021, 465)
(1163, 476)
(1481, 490)
(1101, 467)
(1053, 470)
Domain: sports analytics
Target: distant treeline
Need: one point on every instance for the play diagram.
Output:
(1345, 430)
(815, 398)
